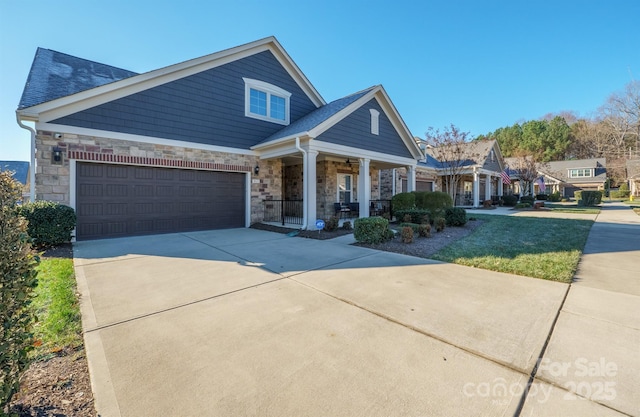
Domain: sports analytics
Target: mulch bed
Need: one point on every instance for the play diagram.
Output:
(425, 247)
(58, 385)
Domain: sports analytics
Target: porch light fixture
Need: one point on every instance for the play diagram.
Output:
(57, 154)
(256, 170)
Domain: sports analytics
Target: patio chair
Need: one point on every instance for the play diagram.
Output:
(340, 210)
(355, 208)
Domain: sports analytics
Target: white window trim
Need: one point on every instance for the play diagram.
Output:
(269, 89)
(353, 191)
(572, 170)
(375, 121)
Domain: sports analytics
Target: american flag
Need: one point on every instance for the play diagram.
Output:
(541, 185)
(505, 176)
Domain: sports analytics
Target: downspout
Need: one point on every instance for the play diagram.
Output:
(32, 163)
(304, 183)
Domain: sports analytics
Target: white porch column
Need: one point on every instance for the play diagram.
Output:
(500, 187)
(476, 189)
(411, 178)
(487, 187)
(364, 184)
(309, 183)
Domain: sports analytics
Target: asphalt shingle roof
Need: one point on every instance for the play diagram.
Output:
(54, 75)
(316, 117)
(20, 169)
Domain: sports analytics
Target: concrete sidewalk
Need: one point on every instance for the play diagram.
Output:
(594, 350)
(246, 322)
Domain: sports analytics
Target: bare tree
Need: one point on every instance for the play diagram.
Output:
(621, 113)
(452, 149)
(528, 171)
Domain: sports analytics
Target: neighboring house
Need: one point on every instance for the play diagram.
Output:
(565, 177)
(214, 142)
(20, 171)
(633, 176)
(480, 178)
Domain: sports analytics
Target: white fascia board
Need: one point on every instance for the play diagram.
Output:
(279, 142)
(279, 152)
(332, 148)
(106, 134)
(64, 106)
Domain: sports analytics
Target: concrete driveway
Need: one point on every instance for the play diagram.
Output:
(247, 322)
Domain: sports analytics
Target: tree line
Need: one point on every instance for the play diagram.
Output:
(612, 133)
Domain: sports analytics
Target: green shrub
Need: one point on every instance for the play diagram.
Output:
(555, 197)
(347, 225)
(372, 230)
(413, 216)
(542, 197)
(402, 201)
(18, 278)
(440, 223)
(50, 223)
(424, 230)
(436, 202)
(455, 216)
(510, 200)
(331, 224)
(527, 199)
(523, 205)
(590, 198)
(407, 234)
(421, 198)
(622, 192)
(414, 226)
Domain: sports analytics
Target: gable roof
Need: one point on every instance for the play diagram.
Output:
(54, 75)
(316, 117)
(75, 101)
(476, 150)
(322, 119)
(560, 169)
(633, 168)
(20, 169)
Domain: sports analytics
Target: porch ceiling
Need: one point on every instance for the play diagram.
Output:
(296, 159)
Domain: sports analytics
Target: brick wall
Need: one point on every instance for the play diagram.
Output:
(53, 177)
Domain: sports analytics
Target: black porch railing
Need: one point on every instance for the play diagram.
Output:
(379, 207)
(283, 211)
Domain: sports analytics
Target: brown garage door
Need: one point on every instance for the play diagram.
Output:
(124, 200)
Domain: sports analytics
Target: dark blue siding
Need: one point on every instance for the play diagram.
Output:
(355, 130)
(204, 108)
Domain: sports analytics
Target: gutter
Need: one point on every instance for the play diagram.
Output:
(32, 163)
(305, 188)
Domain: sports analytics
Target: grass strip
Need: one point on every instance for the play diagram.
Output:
(56, 307)
(535, 247)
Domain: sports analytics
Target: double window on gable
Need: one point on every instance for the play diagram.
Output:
(266, 101)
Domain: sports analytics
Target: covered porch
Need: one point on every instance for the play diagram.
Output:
(346, 185)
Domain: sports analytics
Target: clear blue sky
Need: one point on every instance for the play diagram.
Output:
(476, 63)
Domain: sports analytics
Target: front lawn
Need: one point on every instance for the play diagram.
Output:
(572, 208)
(536, 247)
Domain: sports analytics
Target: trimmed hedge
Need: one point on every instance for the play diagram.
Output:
(510, 200)
(417, 215)
(436, 202)
(555, 197)
(50, 223)
(589, 198)
(372, 230)
(402, 201)
(18, 278)
(455, 216)
(527, 199)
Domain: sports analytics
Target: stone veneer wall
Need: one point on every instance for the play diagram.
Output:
(53, 178)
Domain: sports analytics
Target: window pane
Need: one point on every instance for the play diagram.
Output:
(277, 107)
(258, 102)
